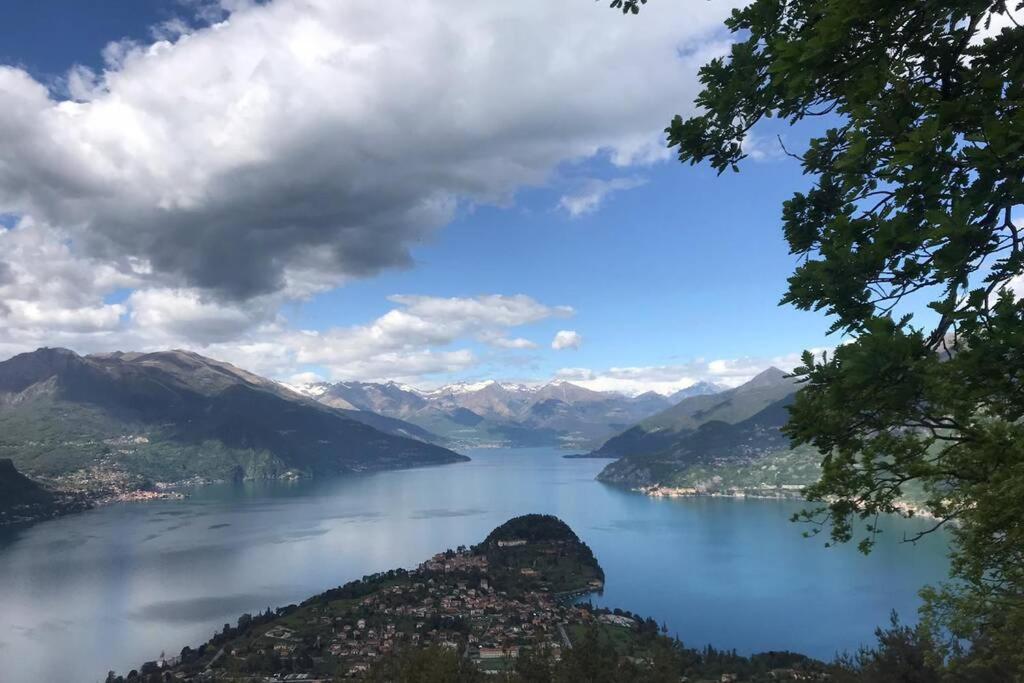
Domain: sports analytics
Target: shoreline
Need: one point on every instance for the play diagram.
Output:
(78, 501)
(793, 492)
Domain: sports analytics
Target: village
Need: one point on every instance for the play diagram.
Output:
(513, 599)
(448, 605)
(448, 601)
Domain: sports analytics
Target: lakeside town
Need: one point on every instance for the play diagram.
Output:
(484, 603)
(510, 603)
(781, 491)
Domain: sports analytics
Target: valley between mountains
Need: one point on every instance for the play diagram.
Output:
(80, 430)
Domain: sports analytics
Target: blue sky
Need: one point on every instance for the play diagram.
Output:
(48, 37)
(669, 267)
(689, 265)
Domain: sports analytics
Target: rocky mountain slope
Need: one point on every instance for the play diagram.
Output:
(176, 415)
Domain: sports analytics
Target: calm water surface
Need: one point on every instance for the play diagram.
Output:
(111, 588)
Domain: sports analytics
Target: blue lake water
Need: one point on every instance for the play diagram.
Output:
(113, 587)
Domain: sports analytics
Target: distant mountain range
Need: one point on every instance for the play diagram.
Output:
(176, 415)
(740, 425)
(107, 424)
(698, 389)
(502, 414)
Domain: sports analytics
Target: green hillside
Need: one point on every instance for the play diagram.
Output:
(732, 405)
(669, 429)
(176, 415)
(22, 499)
(713, 445)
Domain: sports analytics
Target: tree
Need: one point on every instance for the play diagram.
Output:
(918, 183)
(425, 665)
(902, 654)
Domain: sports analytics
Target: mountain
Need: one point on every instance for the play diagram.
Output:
(175, 415)
(698, 389)
(377, 405)
(738, 427)
(660, 431)
(384, 399)
(494, 413)
(713, 444)
(394, 426)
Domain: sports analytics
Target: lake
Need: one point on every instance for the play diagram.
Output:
(113, 587)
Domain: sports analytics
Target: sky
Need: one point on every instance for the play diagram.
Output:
(323, 190)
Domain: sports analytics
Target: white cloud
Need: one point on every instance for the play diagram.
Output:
(405, 366)
(668, 379)
(60, 301)
(593, 194)
(1016, 285)
(408, 341)
(47, 292)
(567, 339)
(301, 379)
(300, 143)
(993, 24)
(187, 314)
(493, 310)
(82, 319)
(575, 374)
(508, 343)
(197, 184)
(759, 148)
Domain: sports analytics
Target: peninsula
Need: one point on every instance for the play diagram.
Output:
(510, 605)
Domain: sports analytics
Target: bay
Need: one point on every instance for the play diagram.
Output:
(113, 587)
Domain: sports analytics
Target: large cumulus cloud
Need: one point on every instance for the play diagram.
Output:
(191, 189)
(302, 142)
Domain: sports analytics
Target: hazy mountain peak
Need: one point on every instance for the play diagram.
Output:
(310, 389)
(494, 412)
(116, 355)
(671, 427)
(461, 388)
(700, 388)
(768, 377)
(25, 369)
(54, 351)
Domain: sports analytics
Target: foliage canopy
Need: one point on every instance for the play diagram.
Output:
(916, 194)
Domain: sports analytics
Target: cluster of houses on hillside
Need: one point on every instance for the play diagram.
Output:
(448, 601)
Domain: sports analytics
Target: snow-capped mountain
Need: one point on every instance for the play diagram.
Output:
(698, 389)
(501, 413)
(311, 389)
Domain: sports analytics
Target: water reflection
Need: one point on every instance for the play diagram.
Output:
(113, 587)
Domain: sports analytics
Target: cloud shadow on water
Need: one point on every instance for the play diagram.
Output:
(205, 609)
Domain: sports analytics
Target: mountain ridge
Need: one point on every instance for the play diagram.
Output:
(494, 413)
(702, 438)
(174, 415)
(658, 432)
